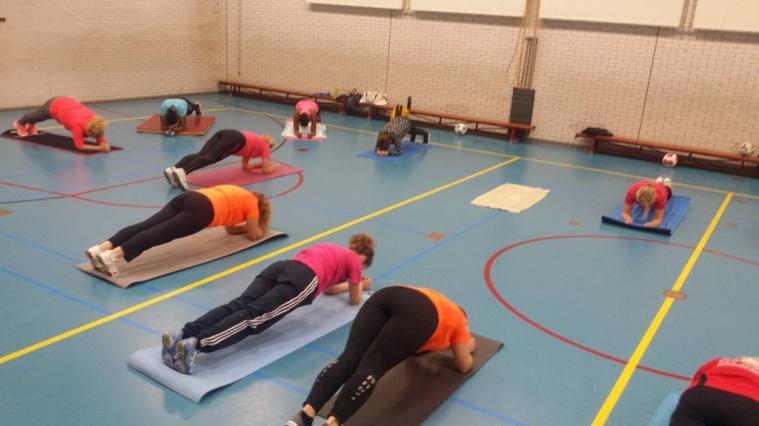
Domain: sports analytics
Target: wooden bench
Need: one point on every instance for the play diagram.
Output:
(434, 119)
(695, 157)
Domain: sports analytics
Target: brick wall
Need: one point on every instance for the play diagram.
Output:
(108, 49)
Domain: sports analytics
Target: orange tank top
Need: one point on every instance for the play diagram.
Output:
(231, 204)
(452, 325)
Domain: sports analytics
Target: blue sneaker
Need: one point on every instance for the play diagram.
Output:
(169, 349)
(186, 352)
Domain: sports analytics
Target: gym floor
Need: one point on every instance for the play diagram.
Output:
(571, 298)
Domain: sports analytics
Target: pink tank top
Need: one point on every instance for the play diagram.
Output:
(307, 106)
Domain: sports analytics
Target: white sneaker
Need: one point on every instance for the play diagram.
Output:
(92, 254)
(180, 177)
(660, 180)
(110, 262)
(667, 182)
(168, 173)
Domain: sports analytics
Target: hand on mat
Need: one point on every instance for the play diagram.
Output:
(472, 345)
(652, 224)
(366, 283)
(626, 218)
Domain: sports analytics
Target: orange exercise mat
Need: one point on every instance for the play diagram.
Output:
(196, 125)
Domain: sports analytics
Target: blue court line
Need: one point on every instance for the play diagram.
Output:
(40, 247)
(76, 300)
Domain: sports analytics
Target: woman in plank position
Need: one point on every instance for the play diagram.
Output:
(73, 116)
(174, 112)
(394, 324)
(279, 289)
(222, 144)
(238, 210)
(306, 111)
(647, 194)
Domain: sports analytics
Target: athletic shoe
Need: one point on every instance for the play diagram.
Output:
(21, 129)
(660, 180)
(667, 182)
(32, 129)
(92, 254)
(180, 177)
(186, 353)
(168, 173)
(300, 419)
(110, 262)
(169, 347)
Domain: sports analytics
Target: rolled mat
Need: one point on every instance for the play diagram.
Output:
(217, 369)
(197, 125)
(674, 213)
(415, 388)
(235, 175)
(409, 148)
(52, 140)
(205, 246)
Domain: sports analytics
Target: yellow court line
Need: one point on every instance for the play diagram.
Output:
(47, 342)
(619, 387)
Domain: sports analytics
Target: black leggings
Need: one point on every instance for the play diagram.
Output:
(704, 406)
(40, 114)
(391, 326)
(414, 131)
(186, 214)
(276, 291)
(221, 145)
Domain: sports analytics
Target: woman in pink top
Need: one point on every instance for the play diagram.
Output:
(306, 111)
(72, 115)
(221, 145)
(648, 194)
(279, 289)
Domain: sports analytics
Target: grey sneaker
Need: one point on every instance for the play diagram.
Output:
(186, 353)
(169, 347)
(300, 419)
(168, 173)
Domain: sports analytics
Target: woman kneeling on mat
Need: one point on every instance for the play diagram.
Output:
(72, 115)
(174, 112)
(279, 289)
(391, 136)
(394, 324)
(221, 145)
(306, 111)
(724, 391)
(240, 211)
(648, 194)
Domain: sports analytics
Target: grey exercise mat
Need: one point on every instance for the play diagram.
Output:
(414, 389)
(205, 246)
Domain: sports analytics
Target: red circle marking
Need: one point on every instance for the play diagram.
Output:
(528, 320)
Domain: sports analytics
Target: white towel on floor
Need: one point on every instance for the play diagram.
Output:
(510, 197)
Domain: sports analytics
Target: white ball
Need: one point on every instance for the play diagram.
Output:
(460, 129)
(669, 159)
(746, 149)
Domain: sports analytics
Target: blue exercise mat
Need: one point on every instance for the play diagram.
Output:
(674, 213)
(226, 366)
(409, 148)
(665, 410)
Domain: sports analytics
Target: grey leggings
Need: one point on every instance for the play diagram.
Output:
(40, 114)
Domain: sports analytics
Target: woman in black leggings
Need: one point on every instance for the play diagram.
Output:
(394, 324)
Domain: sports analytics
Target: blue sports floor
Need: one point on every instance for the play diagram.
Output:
(570, 297)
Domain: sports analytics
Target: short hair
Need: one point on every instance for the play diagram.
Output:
(384, 139)
(172, 116)
(303, 119)
(96, 126)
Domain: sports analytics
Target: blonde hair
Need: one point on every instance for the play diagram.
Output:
(264, 210)
(269, 140)
(646, 196)
(96, 126)
(363, 244)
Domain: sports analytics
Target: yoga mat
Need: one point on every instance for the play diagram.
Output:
(53, 140)
(234, 175)
(203, 247)
(665, 410)
(415, 388)
(674, 213)
(226, 366)
(510, 197)
(197, 125)
(288, 133)
(409, 148)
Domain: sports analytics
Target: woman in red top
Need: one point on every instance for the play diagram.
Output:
(306, 111)
(221, 145)
(395, 323)
(648, 194)
(235, 208)
(70, 114)
(724, 391)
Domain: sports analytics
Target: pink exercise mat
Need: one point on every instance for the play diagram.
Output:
(234, 175)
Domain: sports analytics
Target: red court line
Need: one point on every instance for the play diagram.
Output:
(297, 185)
(528, 320)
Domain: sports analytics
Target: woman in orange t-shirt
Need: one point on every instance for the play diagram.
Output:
(240, 211)
(394, 324)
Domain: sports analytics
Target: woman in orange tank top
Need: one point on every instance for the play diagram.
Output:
(240, 211)
(395, 323)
